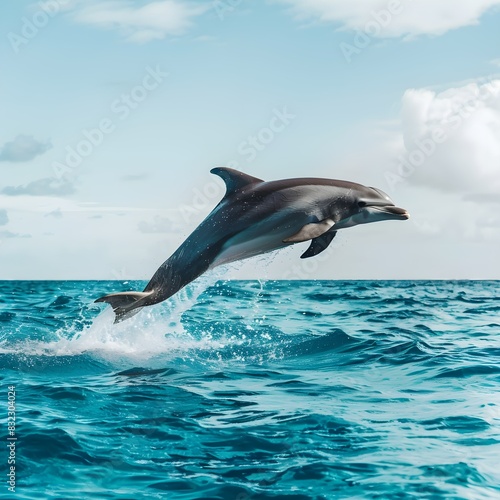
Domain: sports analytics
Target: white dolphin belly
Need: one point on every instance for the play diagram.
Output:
(260, 238)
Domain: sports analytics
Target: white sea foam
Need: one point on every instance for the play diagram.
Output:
(155, 332)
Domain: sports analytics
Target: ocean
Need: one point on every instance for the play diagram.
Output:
(248, 390)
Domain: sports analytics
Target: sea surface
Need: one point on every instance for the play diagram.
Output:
(247, 390)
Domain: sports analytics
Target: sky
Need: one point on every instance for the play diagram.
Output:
(114, 112)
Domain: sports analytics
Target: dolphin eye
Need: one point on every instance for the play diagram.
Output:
(361, 204)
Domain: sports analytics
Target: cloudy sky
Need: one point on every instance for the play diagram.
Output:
(113, 113)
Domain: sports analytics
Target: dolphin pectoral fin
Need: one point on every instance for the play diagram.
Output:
(234, 179)
(311, 231)
(125, 304)
(319, 244)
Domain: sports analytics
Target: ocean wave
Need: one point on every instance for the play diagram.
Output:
(256, 390)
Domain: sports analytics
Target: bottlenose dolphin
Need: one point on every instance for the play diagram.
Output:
(255, 217)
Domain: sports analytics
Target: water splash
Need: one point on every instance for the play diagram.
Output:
(152, 333)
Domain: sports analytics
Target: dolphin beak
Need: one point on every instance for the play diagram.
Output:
(400, 213)
(391, 211)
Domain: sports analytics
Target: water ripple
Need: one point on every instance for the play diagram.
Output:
(256, 390)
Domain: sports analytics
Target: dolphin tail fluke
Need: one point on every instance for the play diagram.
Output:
(125, 304)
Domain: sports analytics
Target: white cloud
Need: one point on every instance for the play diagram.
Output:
(23, 148)
(45, 204)
(4, 218)
(453, 196)
(157, 225)
(408, 18)
(4, 235)
(57, 213)
(451, 140)
(482, 198)
(47, 186)
(151, 21)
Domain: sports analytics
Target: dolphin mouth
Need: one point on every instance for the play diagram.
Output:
(399, 213)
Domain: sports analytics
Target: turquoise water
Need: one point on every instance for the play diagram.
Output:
(249, 390)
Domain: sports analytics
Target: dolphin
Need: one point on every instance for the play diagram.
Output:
(255, 217)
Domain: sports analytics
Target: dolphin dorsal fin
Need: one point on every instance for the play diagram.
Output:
(234, 179)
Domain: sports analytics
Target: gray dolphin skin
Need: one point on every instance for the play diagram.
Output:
(256, 217)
